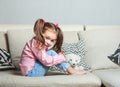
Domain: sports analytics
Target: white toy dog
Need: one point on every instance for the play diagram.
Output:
(74, 60)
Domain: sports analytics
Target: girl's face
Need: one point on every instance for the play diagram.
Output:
(50, 37)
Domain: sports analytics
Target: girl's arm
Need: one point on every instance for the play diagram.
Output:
(49, 60)
(43, 57)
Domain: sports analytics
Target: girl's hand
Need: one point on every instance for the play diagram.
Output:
(44, 47)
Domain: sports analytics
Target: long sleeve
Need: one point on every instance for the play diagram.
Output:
(44, 58)
(30, 54)
(48, 60)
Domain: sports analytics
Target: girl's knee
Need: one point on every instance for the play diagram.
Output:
(51, 52)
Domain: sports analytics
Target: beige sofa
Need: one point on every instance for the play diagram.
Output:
(100, 41)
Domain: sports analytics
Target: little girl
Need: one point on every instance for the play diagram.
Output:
(37, 57)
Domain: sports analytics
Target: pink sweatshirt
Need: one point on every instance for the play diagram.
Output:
(30, 54)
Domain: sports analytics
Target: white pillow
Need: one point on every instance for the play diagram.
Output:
(17, 40)
(99, 44)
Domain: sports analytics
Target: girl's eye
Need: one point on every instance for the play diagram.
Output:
(46, 37)
(53, 41)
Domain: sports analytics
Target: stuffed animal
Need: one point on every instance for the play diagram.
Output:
(74, 61)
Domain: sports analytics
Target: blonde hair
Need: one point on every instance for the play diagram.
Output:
(41, 26)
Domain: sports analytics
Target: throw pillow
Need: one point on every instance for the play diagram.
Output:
(5, 59)
(115, 57)
(77, 48)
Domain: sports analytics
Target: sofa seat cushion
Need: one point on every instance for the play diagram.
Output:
(109, 77)
(13, 78)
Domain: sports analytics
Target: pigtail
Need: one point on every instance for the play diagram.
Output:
(38, 27)
(58, 46)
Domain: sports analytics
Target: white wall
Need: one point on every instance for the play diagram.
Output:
(61, 11)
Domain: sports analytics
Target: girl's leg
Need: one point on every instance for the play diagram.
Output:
(64, 66)
(67, 68)
(38, 70)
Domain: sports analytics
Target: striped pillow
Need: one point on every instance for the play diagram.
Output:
(5, 59)
(115, 57)
(78, 49)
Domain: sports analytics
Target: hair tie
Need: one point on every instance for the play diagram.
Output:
(44, 22)
(57, 25)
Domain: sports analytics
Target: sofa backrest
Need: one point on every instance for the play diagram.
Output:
(101, 41)
(18, 37)
(3, 33)
(5, 27)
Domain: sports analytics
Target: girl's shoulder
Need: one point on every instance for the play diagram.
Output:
(33, 39)
(34, 43)
(31, 42)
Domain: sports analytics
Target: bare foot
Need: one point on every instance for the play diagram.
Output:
(78, 72)
(72, 71)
